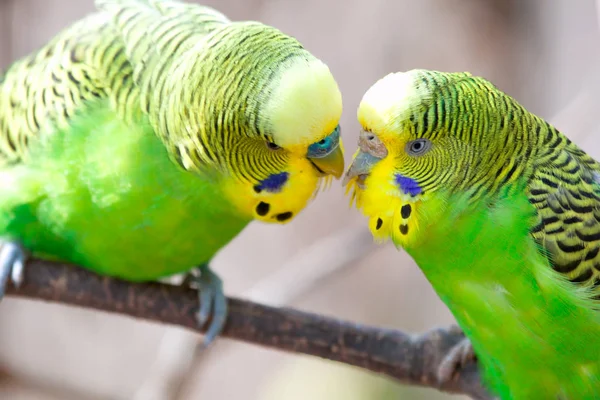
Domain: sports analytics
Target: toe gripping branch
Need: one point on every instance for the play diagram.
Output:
(12, 264)
(213, 303)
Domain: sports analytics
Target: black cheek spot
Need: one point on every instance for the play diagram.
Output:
(403, 229)
(262, 208)
(257, 189)
(405, 211)
(379, 223)
(284, 216)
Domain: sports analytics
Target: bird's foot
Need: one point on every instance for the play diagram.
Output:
(457, 358)
(212, 301)
(12, 264)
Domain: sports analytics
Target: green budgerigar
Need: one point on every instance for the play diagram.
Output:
(143, 138)
(502, 214)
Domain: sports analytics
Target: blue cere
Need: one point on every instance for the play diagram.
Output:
(273, 183)
(408, 185)
(327, 145)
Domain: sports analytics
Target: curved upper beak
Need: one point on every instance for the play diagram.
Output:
(361, 166)
(370, 151)
(332, 163)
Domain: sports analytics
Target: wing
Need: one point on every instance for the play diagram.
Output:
(92, 60)
(566, 192)
(156, 35)
(49, 85)
(163, 40)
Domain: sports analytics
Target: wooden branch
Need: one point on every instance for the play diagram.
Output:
(409, 359)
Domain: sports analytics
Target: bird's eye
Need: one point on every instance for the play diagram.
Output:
(325, 142)
(273, 146)
(326, 145)
(418, 147)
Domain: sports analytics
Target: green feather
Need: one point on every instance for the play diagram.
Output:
(528, 325)
(97, 197)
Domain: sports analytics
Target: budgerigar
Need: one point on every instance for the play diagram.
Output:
(502, 214)
(142, 139)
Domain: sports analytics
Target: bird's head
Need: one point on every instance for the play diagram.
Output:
(299, 148)
(269, 120)
(432, 143)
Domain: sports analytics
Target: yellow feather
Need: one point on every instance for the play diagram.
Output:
(305, 106)
(301, 187)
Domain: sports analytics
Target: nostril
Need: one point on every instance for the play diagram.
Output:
(370, 143)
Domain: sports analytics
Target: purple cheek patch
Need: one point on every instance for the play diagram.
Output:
(407, 185)
(273, 183)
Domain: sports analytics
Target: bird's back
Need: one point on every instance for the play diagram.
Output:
(85, 61)
(50, 84)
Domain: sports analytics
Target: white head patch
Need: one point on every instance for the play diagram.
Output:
(391, 100)
(305, 105)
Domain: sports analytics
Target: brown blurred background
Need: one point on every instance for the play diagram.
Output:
(543, 53)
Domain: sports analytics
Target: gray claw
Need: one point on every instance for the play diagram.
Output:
(12, 264)
(212, 301)
(458, 357)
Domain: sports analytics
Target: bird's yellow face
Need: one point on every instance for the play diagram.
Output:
(407, 159)
(278, 173)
